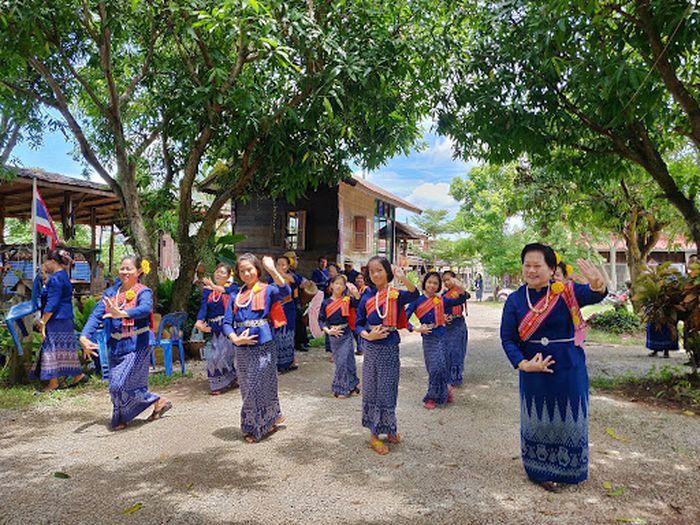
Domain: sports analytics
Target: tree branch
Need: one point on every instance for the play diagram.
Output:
(13, 131)
(148, 140)
(124, 98)
(30, 93)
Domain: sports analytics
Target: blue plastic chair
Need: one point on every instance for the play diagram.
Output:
(13, 320)
(176, 321)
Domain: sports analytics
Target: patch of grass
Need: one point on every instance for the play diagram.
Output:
(317, 342)
(669, 385)
(591, 309)
(605, 338)
(160, 379)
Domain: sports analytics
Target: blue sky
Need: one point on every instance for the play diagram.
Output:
(422, 177)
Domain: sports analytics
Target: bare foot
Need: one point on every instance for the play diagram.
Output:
(394, 438)
(378, 446)
(249, 439)
(119, 427)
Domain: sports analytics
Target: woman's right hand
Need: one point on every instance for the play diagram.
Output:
(202, 327)
(537, 364)
(335, 331)
(88, 347)
(245, 339)
(377, 332)
(422, 329)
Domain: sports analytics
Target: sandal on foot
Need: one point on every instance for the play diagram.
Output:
(157, 414)
(79, 382)
(216, 392)
(379, 447)
(429, 404)
(551, 486)
(279, 421)
(119, 427)
(394, 438)
(250, 439)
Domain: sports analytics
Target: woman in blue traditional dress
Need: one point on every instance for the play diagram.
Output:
(542, 331)
(215, 297)
(333, 272)
(662, 338)
(362, 288)
(126, 312)
(337, 319)
(457, 335)
(249, 323)
(285, 335)
(58, 355)
(380, 314)
(479, 286)
(430, 310)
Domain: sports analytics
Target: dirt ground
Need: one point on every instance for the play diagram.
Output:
(459, 464)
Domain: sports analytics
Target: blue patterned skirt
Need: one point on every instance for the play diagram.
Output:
(58, 356)
(345, 378)
(128, 380)
(661, 339)
(257, 376)
(220, 369)
(435, 362)
(380, 387)
(284, 339)
(554, 425)
(456, 349)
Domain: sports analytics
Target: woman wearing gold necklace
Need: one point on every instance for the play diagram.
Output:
(126, 313)
(541, 332)
(249, 322)
(380, 314)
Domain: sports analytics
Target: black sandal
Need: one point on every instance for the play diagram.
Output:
(157, 414)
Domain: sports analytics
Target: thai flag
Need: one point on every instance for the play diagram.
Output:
(42, 219)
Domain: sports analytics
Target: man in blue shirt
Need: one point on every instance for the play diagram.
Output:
(320, 274)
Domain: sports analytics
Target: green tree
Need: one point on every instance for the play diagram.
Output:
(257, 97)
(604, 82)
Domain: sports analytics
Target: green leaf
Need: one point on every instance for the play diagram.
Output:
(134, 508)
(61, 475)
(619, 491)
(327, 105)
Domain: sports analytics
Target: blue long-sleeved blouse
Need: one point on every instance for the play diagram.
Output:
(557, 326)
(365, 322)
(429, 317)
(336, 318)
(59, 296)
(212, 311)
(273, 293)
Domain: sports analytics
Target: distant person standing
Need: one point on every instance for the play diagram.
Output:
(320, 274)
(479, 286)
(350, 272)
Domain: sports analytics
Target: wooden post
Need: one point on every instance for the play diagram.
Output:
(67, 219)
(2, 219)
(111, 248)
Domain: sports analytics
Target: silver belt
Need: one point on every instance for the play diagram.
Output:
(546, 341)
(216, 319)
(429, 326)
(387, 328)
(119, 335)
(253, 323)
(344, 325)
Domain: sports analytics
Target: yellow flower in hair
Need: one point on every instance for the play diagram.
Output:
(557, 287)
(569, 270)
(130, 295)
(145, 266)
(393, 294)
(557, 256)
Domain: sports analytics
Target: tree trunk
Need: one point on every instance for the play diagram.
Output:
(640, 241)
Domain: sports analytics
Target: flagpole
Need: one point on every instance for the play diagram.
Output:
(34, 250)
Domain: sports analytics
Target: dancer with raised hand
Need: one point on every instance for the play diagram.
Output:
(337, 318)
(542, 331)
(457, 334)
(126, 311)
(380, 314)
(216, 296)
(249, 323)
(430, 310)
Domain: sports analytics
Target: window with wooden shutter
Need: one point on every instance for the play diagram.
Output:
(360, 234)
(296, 230)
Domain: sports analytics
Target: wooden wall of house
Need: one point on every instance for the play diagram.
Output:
(263, 222)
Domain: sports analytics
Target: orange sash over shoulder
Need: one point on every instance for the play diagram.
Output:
(435, 304)
(533, 320)
(342, 304)
(394, 317)
(459, 309)
(277, 316)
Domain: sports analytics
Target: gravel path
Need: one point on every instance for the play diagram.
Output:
(456, 465)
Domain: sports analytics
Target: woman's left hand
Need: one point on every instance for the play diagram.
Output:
(592, 274)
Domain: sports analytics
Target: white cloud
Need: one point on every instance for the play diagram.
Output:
(433, 195)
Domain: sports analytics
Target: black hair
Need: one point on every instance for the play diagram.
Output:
(562, 266)
(251, 258)
(434, 274)
(549, 257)
(385, 264)
(285, 258)
(447, 272)
(224, 265)
(322, 258)
(60, 256)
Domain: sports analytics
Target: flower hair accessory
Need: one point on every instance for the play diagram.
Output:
(557, 256)
(569, 269)
(145, 266)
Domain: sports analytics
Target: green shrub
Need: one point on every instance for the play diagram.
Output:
(618, 321)
(81, 312)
